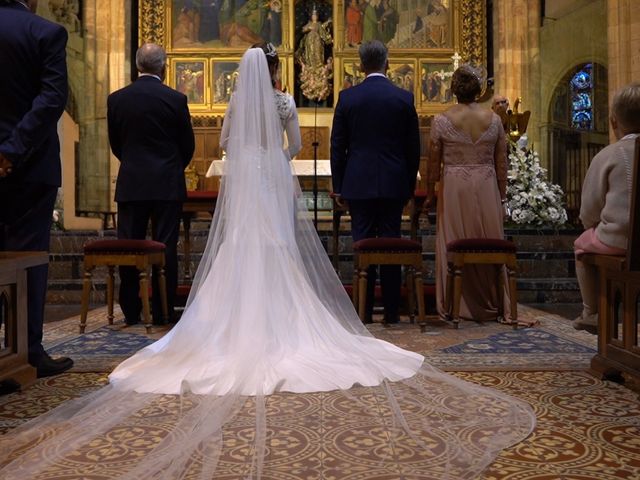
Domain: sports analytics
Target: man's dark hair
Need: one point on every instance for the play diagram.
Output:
(373, 56)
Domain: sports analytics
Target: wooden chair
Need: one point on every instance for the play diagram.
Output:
(141, 254)
(619, 297)
(196, 202)
(337, 211)
(416, 208)
(389, 251)
(484, 251)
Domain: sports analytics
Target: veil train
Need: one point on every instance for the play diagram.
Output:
(267, 320)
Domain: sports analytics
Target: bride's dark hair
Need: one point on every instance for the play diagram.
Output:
(273, 61)
(466, 84)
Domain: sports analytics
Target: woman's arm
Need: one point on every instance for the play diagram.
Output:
(292, 128)
(226, 125)
(501, 160)
(434, 161)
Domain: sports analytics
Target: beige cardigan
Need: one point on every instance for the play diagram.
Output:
(606, 193)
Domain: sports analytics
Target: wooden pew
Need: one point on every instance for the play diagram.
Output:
(619, 298)
(14, 362)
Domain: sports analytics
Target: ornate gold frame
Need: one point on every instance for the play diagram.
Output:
(469, 20)
(426, 106)
(172, 79)
(217, 60)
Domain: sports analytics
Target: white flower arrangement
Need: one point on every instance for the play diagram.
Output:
(531, 199)
(57, 216)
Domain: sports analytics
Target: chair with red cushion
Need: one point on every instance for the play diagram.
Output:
(141, 254)
(389, 251)
(487, 251)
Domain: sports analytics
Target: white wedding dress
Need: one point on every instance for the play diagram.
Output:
(266, 314)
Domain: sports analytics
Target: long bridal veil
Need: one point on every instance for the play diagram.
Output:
(267, 320)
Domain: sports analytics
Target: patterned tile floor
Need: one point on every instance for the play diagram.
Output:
(587, 428)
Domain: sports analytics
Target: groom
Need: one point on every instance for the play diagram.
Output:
(375, 153)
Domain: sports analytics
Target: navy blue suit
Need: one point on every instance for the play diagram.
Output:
(375, 154)
(33, 93)
(150, 133)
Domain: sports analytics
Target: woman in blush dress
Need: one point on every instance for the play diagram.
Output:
(468, 146)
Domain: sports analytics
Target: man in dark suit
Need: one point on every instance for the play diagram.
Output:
(33, 93)
(150, 132)
(375, 154)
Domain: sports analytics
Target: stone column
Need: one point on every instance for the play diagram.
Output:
(623, 35)
(106, 35)
(517, 55)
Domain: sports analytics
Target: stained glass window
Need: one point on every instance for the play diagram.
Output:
(581, 87)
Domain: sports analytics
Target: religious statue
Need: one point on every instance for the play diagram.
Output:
(67, 12)
(316, 70)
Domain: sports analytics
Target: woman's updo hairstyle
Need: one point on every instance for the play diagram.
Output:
(273, 61)
(466, 84)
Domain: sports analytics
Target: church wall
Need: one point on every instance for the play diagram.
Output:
(97, 64)
(576, 38)
(517, 55)
(623, 18)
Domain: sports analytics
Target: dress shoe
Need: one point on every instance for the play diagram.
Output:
(8, 386)
(391, 319)
(49, 366)
(130, 322)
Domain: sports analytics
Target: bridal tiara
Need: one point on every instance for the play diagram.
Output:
(271, 50)
(475, 71)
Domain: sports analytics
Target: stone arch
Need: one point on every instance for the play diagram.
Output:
(571, 149)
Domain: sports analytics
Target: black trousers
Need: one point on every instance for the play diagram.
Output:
(25, 225)
(133, 220)
(379, 217)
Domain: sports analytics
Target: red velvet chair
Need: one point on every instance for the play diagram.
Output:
(487, 251)
(389, 251)
(141, 254)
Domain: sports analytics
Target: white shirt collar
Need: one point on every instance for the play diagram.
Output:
(24, 4)
(376, 74)
(149, 75)
(630, 135)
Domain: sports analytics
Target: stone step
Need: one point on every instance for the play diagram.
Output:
(546, 266)
(530, 290)
(530, 265)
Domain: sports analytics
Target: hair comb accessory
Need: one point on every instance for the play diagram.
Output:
(271, 50)
(478, 72)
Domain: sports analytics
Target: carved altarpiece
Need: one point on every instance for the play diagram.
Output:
(205, 41)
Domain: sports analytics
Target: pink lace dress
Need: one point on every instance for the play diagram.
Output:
(472, 178)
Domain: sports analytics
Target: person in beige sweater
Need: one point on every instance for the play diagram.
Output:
(606, 191)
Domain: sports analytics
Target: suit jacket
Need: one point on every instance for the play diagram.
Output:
(375, 142)
(150, 132)
(33, 94)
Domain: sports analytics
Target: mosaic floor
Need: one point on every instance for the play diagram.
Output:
(587, 428)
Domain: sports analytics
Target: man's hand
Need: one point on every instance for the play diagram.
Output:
(340, 202)
(5, 166)
(429, 202)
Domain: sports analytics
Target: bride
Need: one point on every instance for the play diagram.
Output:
(266, 314)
